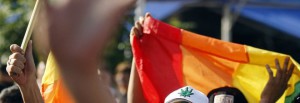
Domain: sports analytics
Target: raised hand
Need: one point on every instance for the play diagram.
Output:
(137, 29)
(135, 91)
(21, 69)
(78, 33)
(276, 86)
(20, 65)
(83, 25)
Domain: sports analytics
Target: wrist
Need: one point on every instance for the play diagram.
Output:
(264, 101)
(30, 83)
(267, 100)
(28, 86)
(31, 93)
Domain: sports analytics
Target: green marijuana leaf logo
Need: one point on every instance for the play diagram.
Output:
(186, 92)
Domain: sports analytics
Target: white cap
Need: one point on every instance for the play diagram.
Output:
(188, 94)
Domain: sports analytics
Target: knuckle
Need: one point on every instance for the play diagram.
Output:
(22, 65)
(13, 61)
(15, 70)
(15, 55)
(8, 62)
(12, 68)
(8, 69)
(11, 56)
(12, 71)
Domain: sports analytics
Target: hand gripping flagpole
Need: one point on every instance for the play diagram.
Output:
(30, 25)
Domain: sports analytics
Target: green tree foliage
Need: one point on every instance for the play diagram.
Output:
(119, 48)
(14, 17)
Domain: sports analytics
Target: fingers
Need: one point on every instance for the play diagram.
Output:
(286, 72)
(15, 65)
(28, 53)
(277, 64)
(52, 5)
(269, 71)
(16, 62)
(278, 74)
(277, 85)
(15, 48)
(136, 32)
(141, 20)
(18, 56)
(139, 28)
(132, 31)
(290, 72)
(147, 14)
(138, 25)
(13, 71)
(285, 65)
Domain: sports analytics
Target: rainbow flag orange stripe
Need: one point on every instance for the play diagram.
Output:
(168, 58)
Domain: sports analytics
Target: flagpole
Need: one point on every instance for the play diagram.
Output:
(226, 23)
(30, 25)
(139, 10)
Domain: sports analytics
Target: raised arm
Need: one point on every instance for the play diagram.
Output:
(21, 69)
(276, 86)
(135, 90)
(78, 33)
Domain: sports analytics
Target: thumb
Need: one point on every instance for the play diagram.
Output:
(28, 53)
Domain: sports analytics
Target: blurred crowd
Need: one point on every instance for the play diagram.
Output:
(117, 82)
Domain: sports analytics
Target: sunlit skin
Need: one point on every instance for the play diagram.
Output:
(21, 69)
(78, 32)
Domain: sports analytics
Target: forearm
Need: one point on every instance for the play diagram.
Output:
(266, 101)
(31, 93)
(77, 45)
(81, 79)
(135, 91)
(267, 98)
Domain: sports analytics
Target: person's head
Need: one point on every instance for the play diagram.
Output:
(11, 94)
(4, 77)
(122, 76)
(104, 73)
(186, 94)
(226, 95)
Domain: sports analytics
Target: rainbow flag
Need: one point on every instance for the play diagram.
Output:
(53, 90)
(168, 58)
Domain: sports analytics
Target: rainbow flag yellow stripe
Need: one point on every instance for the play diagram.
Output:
(53, 90)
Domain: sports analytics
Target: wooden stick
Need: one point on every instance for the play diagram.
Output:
(30, 25)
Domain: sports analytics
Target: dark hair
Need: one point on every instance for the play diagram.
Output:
(3, 70)
(11, 95)
(238, 95)
(124, 67)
